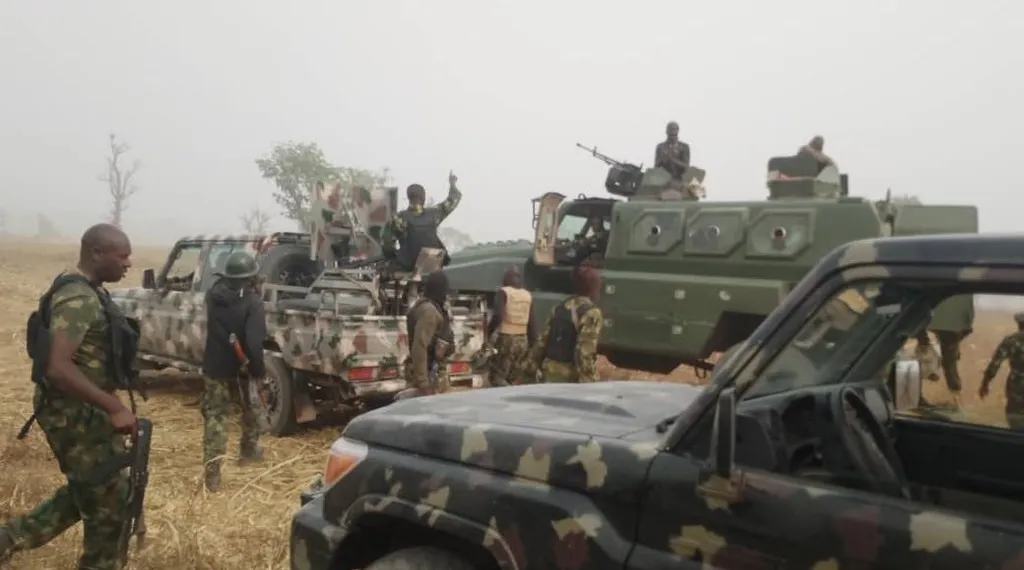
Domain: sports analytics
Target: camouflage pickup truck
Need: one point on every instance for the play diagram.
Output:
(792, 458)
(336, 337)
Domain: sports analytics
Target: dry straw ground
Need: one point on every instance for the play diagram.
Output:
(246, 524)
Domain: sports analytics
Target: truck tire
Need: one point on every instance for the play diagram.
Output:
(281, 412)
(289, 264)
(421, 558)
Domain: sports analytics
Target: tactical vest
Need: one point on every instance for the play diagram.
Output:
(420, 232)
(517, 311)
(124, 335)
(443, 344)
(563, 332)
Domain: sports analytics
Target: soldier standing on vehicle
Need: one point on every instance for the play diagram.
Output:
(77, 407)
(816, 149)
(416, 227)
(567, 348)
(672, 154)
(233, 307)
(511, 330)
(431, 340)
(1010, 349)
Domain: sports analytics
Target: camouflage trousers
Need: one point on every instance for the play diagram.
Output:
(509, 363)
(553, 372)
(949, 346)
(1015, 401)
(84, 444)
(439, 383)
(218, 394)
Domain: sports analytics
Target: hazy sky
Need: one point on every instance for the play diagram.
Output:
(923, 97)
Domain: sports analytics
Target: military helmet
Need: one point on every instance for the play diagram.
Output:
(240, 265)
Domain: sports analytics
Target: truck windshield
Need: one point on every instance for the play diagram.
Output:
(836, 336)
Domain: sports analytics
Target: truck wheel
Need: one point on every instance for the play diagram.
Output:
(421, 558)
(281, 400)
(289, 264)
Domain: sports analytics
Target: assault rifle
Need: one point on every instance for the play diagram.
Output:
(138, 479)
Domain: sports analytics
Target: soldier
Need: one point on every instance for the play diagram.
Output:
(431, 340)
(567, 348)
(77, 408)
(672, 154)
(232, 308)
(512, 329)
(595, 242)
(1012, 349)
(949, 346)
(816, 149)
(416, 227)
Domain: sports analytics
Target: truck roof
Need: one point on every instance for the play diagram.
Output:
(947, 249)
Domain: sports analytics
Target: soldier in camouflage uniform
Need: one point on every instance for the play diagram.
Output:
(672, 154)
(816, 150)
(567, 348)
(80, 413)
(416, 227)
(511, 330)
(1010, 349)
(431, 341)
(232, 307)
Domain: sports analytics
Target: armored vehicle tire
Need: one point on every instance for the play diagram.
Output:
(281, 407)
(421, 558)
(289, 264)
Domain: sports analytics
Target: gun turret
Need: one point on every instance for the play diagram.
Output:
(623, 177)
(348, 223)
(801, 176)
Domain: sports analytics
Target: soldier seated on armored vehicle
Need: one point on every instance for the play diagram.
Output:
(815, 149)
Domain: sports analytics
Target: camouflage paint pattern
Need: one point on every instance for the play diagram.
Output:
(173, 329)
(508, 364)
(218, 394)
(360, 213)
(82, 440)
(584, 367)
(1010, 350)
(577, 477)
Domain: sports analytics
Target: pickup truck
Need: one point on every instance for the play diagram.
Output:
(792, 457)
(336, 337)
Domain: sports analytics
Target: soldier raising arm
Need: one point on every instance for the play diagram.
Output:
(416, 227)
(567, 348)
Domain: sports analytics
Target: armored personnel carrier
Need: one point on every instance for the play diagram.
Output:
(685, 278)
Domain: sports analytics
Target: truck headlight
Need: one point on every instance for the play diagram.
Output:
(343, 456)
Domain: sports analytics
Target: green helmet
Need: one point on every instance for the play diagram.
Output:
(240, 265)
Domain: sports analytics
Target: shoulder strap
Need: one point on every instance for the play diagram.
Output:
(58, 283)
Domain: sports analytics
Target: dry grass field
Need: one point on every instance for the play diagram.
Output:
(246, 524)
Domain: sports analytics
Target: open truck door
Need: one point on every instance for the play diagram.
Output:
(545, 225)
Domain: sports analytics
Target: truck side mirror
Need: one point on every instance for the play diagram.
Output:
(148, 279)
(723, 433)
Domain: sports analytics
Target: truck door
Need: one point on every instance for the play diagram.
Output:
(546, 227)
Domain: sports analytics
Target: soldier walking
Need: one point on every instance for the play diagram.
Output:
(76, 405)
(234, 312)
(1010, 349)
(511, 329)
(567, 348)
(431, 340)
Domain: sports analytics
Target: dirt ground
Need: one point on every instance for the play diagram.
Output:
(246, 524)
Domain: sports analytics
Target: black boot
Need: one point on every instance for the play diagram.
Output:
(212, 476)
(250, 454)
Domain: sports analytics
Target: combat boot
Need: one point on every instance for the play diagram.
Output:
(212, 476)
(6, 545)
(250, 454)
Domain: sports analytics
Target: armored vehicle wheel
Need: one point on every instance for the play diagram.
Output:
(421, 558)
(280, 398)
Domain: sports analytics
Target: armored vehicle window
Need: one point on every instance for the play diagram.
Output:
(571, 225)
(835, 337)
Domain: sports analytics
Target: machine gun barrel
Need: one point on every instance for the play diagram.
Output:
(602, 157)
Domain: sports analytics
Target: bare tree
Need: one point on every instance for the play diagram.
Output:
(119, 179)
(256, 221)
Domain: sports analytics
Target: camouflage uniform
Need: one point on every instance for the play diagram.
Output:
(585, 320)
(431, 341)
(672, 154)
(397, 229)
(232, 308)
(1010, 349)
(82, 440)
(513, 331)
